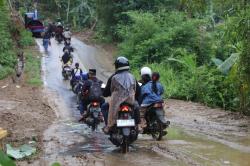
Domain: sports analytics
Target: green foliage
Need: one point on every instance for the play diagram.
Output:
(156, 37)
(33, 69)
(5, 160)
(26, 38)
(5, 71)
(56, 164)
(7, 54)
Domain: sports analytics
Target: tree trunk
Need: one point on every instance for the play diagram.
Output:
(68, 11)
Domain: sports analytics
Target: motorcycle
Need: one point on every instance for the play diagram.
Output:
(66, 71)
(94, 117)
(75, 84)
(156, 122)
(67, 41)
(59, 38)
(124, 132)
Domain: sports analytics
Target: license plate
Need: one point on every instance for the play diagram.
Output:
(125, 123)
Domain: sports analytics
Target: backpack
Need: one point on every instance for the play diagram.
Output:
(95, 90)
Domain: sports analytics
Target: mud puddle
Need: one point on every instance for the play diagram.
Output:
(72, 143)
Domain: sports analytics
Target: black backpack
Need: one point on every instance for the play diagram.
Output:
(95, 90)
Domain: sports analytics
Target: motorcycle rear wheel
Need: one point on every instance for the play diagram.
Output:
(125, 146)
(158, 134)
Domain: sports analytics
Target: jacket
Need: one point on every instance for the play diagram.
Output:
(122, 88)
(148, 96)
(67, 34)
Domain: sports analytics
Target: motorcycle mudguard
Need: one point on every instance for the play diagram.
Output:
(161, 115)
(126, 131)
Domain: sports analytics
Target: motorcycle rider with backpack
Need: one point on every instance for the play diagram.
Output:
(91, 91)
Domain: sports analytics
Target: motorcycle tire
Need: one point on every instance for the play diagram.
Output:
(157, 135)
(94, 126)
(125, 146)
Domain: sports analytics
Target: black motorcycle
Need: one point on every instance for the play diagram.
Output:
(124, 132)
(59, 38)
(66, 72)
(94, 115)
(156, 122)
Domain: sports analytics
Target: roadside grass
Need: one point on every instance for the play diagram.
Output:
(5, 71)
(26, 38)
(32, 67)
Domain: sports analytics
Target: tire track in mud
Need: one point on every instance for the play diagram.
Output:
(72, 143)
(66, 140)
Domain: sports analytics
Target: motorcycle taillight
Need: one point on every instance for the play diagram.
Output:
(124, 108)
(95, 104)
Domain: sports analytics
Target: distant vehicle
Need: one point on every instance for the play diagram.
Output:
(33, 23)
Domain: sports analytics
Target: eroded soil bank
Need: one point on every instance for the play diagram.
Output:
(24, 113)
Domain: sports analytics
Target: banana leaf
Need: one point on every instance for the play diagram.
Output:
(217, 61)
(228, 63)
(21, 152)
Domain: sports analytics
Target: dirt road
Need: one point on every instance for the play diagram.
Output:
(198, 135)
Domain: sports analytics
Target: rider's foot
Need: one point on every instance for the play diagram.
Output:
(106, 130)
(140, 128)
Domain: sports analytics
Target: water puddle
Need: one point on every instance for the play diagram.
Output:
(204, 151)
(67, 138)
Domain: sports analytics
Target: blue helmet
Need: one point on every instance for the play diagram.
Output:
(85, 76)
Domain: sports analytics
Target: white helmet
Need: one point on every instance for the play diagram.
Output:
(146, 71)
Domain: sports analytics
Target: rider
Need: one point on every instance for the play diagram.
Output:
(68, 47)
(67, 34)
(151, 92)
(91, 93)
(76, 74)
(122, 87)
(58, 29)
(46, 37)
(66, 58)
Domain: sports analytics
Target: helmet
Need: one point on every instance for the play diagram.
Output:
(146, 71)
(122, 63)
(67, 29)
(76, 64)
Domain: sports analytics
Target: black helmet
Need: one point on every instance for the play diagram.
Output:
(122, 63)
(76, 64)
(67, 28)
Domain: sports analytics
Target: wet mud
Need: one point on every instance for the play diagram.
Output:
(195, 137)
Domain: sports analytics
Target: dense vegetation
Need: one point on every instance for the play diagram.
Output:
(7, 54)
(200, 47)
(15, 39)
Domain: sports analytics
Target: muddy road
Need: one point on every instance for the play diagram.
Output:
(196, 137)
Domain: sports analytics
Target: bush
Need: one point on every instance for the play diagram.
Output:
(153, 38)
(26, 38)
(7, 54)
